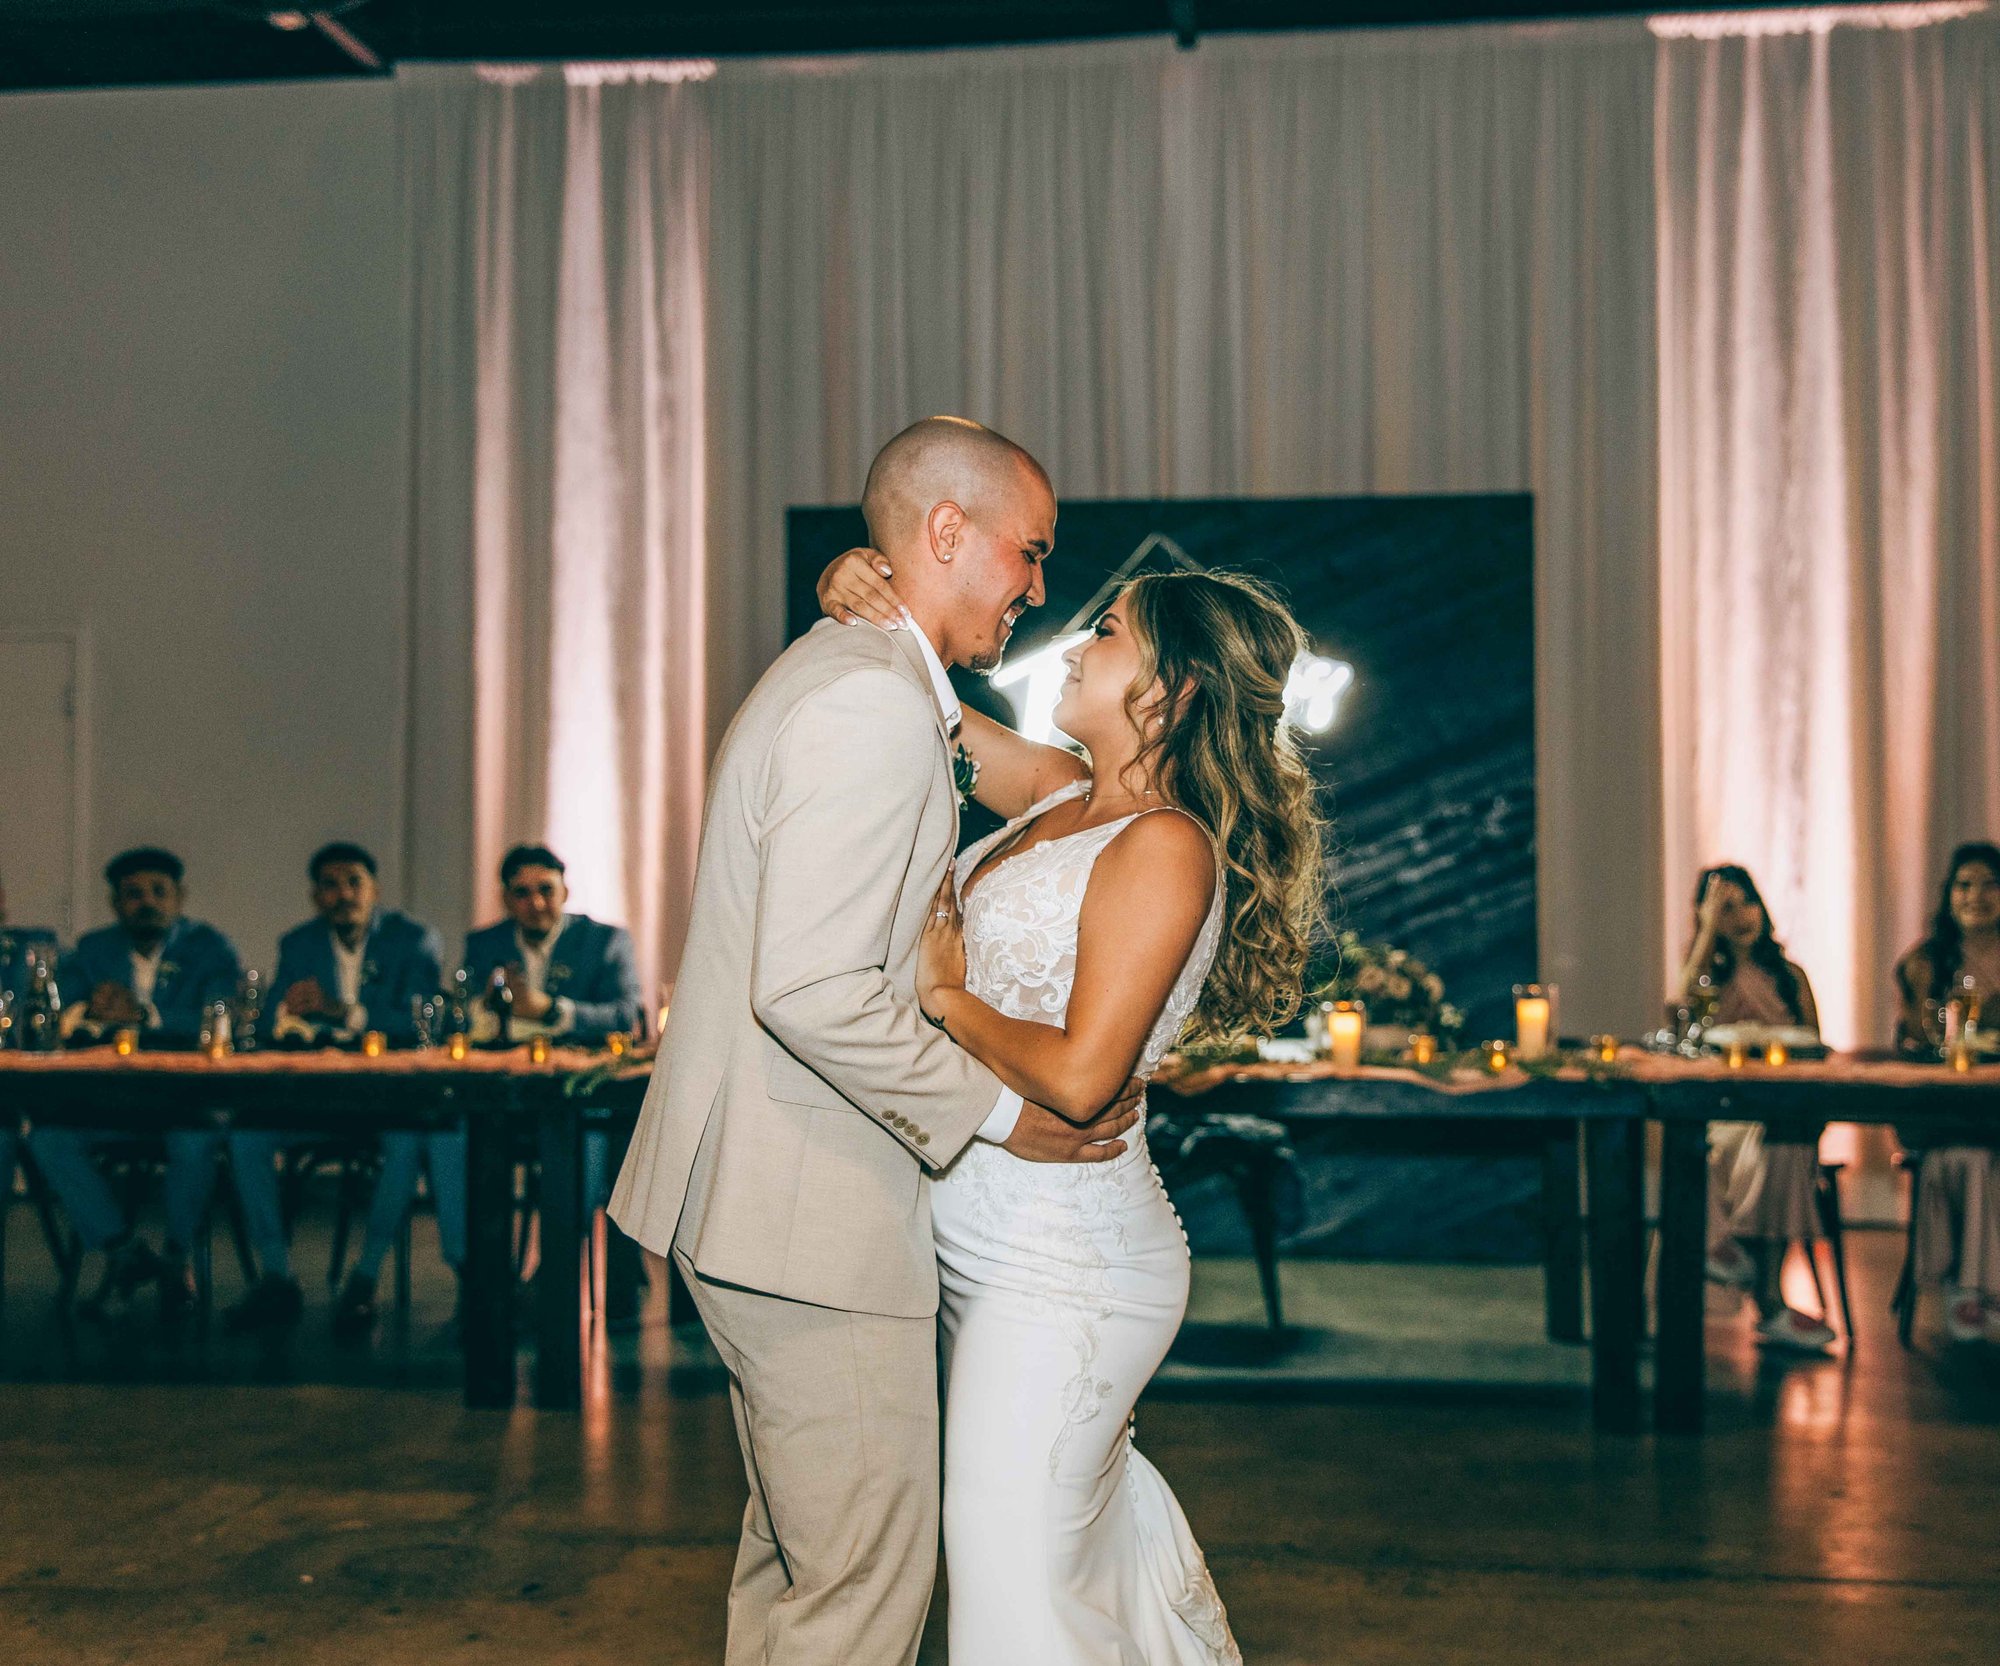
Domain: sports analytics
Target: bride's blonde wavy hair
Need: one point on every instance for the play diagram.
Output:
(1221, 646)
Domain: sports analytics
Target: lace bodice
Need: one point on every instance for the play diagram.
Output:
(1021, 927)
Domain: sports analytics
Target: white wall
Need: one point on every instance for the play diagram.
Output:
(203, 381)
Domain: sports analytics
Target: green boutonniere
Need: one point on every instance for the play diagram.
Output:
(964, 774)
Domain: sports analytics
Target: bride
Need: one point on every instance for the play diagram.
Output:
(1169, 885)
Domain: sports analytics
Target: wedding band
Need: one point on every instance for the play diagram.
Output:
(942, 914)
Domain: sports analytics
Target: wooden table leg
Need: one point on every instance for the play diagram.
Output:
(624, 1261)
(1678, 1363)
(559, 1279)
(1562, 1234)
(1612, 1174)
(487, 1319)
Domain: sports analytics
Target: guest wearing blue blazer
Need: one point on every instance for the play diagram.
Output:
(155, 971)
(573, 979)
(354, 967)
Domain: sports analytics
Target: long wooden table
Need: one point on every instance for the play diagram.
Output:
(511, 1108)
(1599, 1118)
(1929, 1104)
(1609, 1108)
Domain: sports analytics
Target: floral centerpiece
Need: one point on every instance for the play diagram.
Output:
(1400, 992)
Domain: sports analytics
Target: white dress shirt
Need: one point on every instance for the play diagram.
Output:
(145, 976)
(347, 964)
(998, 1127)
(535, 964)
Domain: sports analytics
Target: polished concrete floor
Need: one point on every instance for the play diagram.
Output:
(190, 1500)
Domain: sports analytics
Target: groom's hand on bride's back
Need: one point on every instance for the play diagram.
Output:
(1043, 1137)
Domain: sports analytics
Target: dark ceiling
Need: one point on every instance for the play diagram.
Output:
(96, 43)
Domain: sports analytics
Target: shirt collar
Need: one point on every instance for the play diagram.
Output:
(361, 947)
(547, 946)
(172, 937)
(947, 696)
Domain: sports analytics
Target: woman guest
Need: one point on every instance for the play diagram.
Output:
(1760, 1179)
(1958, 1195)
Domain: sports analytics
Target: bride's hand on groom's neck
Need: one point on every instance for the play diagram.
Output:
(1041, 1136)
(857, 585)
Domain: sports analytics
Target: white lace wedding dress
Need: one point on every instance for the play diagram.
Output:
(1062, 1287)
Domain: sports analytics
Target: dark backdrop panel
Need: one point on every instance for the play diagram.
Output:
(1427, 775)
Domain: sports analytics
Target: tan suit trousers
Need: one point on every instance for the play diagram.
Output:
(837, 1414)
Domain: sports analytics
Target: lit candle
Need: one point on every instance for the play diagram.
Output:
(538, 1049)
(1423, 1047)
(618, 1043)
(1498, 1056)
(374, 1044)
(1345, 1022)
(1776, 1053)
(126, 1043)
(458, 1046)
(1606, 1048)
(1960, 1054)
(1736, 1053)
(1531, 1020)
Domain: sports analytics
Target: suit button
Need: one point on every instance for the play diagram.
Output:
(923, 1139)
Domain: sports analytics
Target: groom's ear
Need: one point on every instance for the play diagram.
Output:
(947, 526)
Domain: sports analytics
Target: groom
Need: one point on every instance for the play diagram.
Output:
(801, 1100)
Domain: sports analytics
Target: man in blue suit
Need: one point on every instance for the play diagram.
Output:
(354, 967)
(155, 971)
(573, 979)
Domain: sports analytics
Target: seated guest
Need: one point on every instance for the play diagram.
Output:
(1761, 1179)
(572, 978)
(1958, 1194)
(354, 967)
(154, 971)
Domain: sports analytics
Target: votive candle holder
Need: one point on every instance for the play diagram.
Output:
(1346, 1023)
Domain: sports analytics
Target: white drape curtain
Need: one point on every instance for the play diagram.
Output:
(1829, 256)
(1730, 299)
(1410, 262)
(557, 223)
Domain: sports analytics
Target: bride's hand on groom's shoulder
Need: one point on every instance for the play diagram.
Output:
(1041, 1136)
(858, 585)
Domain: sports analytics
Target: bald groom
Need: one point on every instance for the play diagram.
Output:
(801, 1100)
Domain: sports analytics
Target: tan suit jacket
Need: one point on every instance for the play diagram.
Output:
(800, 1095)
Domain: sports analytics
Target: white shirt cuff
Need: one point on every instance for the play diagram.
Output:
(998, 1128)
(355, 1019)
(562, 1016)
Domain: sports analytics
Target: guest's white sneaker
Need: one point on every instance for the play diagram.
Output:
(1788, 1328)
(1964, 1315)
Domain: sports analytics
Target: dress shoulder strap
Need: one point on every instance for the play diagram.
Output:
(1061, 795)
